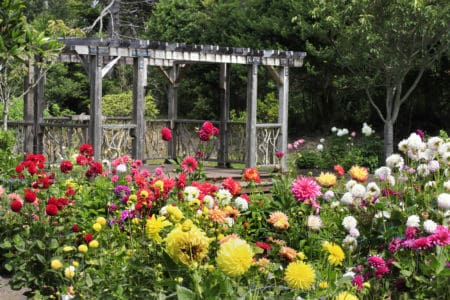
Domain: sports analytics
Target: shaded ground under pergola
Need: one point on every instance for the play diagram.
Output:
(99, 56)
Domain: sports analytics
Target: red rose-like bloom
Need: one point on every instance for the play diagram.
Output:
(75, 228)
(181, 181)
(66, 166)
(204, 135)
(29, 196)
(51, 209)
(166, 134)
(339, 170)
(251, 174)
(82, 160)
(16, 205)
(189, 164)
(86, 150)
(88, 238)
(279, 154)
(233, 186)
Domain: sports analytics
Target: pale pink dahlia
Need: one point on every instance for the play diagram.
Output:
(305, 188)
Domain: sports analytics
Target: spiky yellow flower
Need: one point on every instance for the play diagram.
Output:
(345, 296)
(326, 179)
(279, 220)
(323, 284)
(187, 247)
(336, 256)
(234, 257)
(300, 275)
(153, 227)
(175, 213)
(359, 173)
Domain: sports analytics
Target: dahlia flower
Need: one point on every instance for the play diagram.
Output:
(359, 173)
(153, 227)
(345, 296)
(305, 189)
(189, 164)
(443, 201)
(349, 222)
(326, 179)
(336, 255)
(314, 223)
(234, 257)
(300, 275)
(187, 246)
(279, 220)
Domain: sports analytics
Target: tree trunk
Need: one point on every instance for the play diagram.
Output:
(5, 116)
(388, 137)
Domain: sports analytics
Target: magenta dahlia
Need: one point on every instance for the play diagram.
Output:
(305, 188)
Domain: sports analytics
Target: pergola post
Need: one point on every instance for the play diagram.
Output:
(283, 107)
(139, 84)
(173, 108)
(39, 79)
(95, 121)
(224, 114)
(33, 108)
(252, 89)
(28, 109)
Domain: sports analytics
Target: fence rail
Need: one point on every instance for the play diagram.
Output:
(63, 135)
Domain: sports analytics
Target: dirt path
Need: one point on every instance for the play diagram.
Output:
(6, 293)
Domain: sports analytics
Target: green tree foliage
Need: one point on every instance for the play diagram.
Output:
(121, 105)
(68, 87)
(384, 46)
(19, 44)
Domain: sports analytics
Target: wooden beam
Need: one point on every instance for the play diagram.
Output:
(275, 75)
(252, 89)
(95, 121)
(109, 66)
(139, 84)
(39, 81)
(28, 108)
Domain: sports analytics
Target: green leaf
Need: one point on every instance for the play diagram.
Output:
(89, 282)
(8, 267)
(40, 244)
(406, 273)
(54, 244)
(185, 293)
(6, 244)
(41, 259)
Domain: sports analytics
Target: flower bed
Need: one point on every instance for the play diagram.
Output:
(116, 230)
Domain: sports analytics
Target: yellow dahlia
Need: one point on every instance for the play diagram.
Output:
(279, 220)
(359, 173)
(326, 179)
(336, 256)
(101, 221)
(234, 257)
(300, 275)
(93, 244)
(345, 296)
(175, 213)
(154, 226)
(69, 272)
(187, 247)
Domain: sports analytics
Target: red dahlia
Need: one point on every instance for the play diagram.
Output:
(51, 209)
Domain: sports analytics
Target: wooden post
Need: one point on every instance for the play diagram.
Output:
(283, 106)
(38, 99)
(173, 108)
(139, 84)
(95, 121)
(28, 109)
(252, 89)
(224, 114)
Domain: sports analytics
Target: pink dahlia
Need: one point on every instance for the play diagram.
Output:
(441, 236)
(305, 188)
(376, 261)
(189, 164)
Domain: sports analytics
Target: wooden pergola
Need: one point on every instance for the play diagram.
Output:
(98, 56)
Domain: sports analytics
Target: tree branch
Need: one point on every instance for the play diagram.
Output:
(374, 105)
(103, 13)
